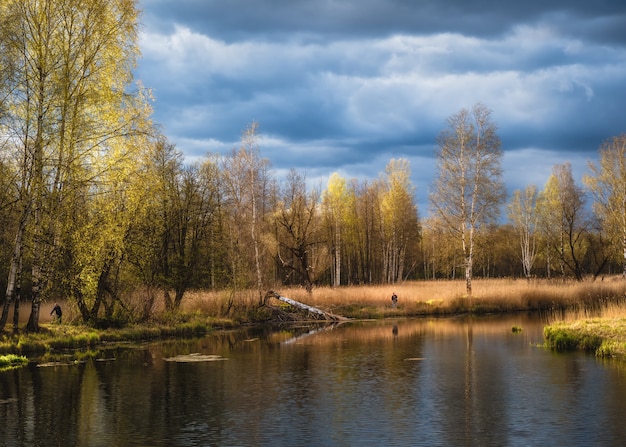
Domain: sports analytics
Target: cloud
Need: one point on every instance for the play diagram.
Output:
(339, 19)
(346, 85)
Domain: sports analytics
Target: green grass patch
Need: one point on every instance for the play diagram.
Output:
(12, 361)
(27, 344)
(603, 337)
(79, 337)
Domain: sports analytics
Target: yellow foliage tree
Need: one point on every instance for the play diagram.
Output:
(335, 201)
(70, 100)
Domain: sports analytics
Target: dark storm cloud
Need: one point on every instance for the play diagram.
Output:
(347, 85)
(235, 19)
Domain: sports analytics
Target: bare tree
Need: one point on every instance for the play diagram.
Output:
(245, 184)
(523, 216)
(297, 221)
(468, 189)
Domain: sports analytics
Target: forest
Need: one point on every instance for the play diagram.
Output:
(97, 205)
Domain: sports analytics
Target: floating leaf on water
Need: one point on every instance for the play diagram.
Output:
(191, 358)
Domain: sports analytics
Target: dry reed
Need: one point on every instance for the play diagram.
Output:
(428, 297)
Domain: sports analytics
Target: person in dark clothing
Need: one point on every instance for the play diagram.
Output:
(57, 312)
(394, 299)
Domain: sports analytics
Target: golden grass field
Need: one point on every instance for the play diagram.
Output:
(432, 297)
(415, 298)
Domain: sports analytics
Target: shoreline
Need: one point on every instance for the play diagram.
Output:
(605, 337)
(571, 305)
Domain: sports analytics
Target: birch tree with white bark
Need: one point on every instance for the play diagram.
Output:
(468, 189)
(68, 97)
(523, 216)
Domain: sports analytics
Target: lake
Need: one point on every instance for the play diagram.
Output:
(469, 381)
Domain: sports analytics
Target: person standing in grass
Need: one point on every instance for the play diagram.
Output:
(57, 312)
(394, 300)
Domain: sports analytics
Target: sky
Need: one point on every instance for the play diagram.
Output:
(347, 85)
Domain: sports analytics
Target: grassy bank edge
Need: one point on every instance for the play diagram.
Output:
(603, 336)
(57, 337)
(206, 311)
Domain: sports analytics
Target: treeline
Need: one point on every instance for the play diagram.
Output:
(155, 224)
(555, 231)
(96, 206)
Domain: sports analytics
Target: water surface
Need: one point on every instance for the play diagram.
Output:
(430, 382)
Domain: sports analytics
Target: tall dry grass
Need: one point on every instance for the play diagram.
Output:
(429, 297)
(220, 304)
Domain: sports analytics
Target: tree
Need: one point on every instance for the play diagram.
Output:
(298, 227)
(549, 223)
(562, 214)
(523, 216)
(360, 231)
(334, 199)
(608, 187)
(440, 253)
(148, 239)
(494, 246)
(194, 206)
(8, 219)
(68, 97)
(174, 222)
(468, 188)
(94, 241)
(245, 185)
(399, 220)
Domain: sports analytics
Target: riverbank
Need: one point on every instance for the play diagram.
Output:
(204, 311)
(602, 332)
(60, 338)
(446, 297)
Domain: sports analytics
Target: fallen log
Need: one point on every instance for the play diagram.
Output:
(318, 314)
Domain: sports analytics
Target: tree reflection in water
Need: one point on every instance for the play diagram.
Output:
(449, 381)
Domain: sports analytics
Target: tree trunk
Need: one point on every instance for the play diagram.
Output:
(17, 298)
(36, 278)
(337, 281)
(304, 266)
(33, 320)
(178, 296)
(169, 305)
(313, 310)
(255, 242)
(468, 275)
(14, 272)
(624, 245)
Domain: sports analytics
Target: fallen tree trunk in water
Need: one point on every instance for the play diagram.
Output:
(317, 314)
